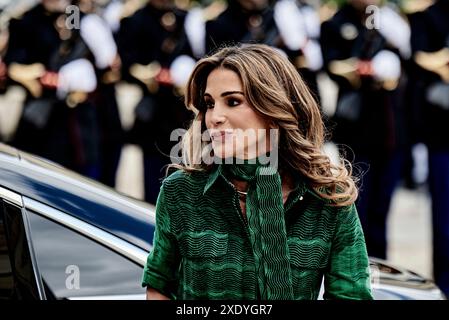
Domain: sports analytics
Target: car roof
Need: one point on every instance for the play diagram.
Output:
(44, 181)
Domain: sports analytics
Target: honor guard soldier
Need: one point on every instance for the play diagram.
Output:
(289, 25)
(100, 48)
(430, 47)
(154, 49)
(364, 45)
(57, 121)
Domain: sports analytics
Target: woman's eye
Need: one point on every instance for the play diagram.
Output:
(233, 102)
(209, 104)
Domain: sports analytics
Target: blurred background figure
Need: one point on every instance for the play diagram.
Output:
(289, 25)
(240, 21)
(430, 45)
(363, 51)
(95, 41)
(151, 42)
(4, 36)
(58, 122)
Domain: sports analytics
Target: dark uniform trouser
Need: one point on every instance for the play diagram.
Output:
(439, 190)
(377, 188)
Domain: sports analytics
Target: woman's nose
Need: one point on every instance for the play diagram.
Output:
(217, 116)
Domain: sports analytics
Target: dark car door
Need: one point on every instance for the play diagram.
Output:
(48, 254)
(76, 266)
(18, 275)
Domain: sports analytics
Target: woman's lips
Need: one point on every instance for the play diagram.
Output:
(220, 135)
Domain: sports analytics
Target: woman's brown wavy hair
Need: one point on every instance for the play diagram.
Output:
(274, 88)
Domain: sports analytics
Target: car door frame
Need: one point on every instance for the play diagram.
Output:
(14, 199)
(117, 245)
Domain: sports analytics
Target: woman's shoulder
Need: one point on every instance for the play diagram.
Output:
(184, 181)
(334, 200)
(329, 206)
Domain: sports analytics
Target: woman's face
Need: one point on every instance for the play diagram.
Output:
(236, 129)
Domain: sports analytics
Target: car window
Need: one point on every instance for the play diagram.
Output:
(73, 265)
(17, 278)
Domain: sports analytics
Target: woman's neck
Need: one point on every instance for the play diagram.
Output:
(243, 174)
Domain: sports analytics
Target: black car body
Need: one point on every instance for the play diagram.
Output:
(63, 236)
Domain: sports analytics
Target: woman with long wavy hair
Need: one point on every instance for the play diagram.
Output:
(256, 210)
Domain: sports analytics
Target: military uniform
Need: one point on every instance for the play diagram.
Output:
(430, 46)
(149, 42)
(102, 51)
(268, 25)
(48, 126)
(366, 65)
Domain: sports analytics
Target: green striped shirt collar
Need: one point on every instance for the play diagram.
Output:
(297, 193)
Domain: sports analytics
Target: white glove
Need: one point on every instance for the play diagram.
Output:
(314, 58)
(180, 70)
(98, 37)
(291, 24)
(312, 21)
(438, 94)
(112, 15)
(386, 65)
(77, 75)
(396, 30)
(195, 28)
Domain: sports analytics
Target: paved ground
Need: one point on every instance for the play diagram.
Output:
(410, 231)
(409, 228)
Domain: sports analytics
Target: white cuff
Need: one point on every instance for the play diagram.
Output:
(180, 70)
(77, 75)
(396, 30)
(291, 24)
(386, 65)
(314, 58)
(195, 28)
(98, 37)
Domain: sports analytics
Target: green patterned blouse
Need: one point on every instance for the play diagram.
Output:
(204, 248)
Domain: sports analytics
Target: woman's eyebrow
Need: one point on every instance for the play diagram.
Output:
(224, 94)
(227, 93)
